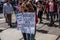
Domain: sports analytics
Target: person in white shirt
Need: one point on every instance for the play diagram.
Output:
(8, 10)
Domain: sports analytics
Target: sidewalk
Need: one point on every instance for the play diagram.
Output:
(14, 34)
(4, 25)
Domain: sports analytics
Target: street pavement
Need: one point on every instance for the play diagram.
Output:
(14, 34)
(44, 32)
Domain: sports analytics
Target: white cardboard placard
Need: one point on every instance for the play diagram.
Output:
(26, 22)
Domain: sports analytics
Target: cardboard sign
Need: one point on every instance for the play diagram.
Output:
(26, 22)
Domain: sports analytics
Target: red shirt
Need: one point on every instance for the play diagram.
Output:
(36, 18)
(54, 6)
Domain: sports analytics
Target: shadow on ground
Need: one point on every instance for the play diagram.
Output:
(42, 31)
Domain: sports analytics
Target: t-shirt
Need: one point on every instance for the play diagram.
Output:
(7, 8)
(51, 5)
(40, 8)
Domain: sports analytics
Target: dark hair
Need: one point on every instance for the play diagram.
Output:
(7, 1)
(20, 3)
(58, 2)
(40, 2)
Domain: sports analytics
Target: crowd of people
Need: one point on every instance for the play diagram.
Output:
(50, 8)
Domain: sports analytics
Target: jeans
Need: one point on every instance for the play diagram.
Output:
(59, 17)
(47, 16)
(51, 18)
(55, 16)
(40, 13)
(28, 36)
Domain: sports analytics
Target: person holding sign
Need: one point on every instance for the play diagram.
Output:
(26, 21)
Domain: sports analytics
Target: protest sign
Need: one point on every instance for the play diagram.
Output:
(26, 22)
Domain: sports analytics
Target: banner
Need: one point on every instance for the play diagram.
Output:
(26, 22)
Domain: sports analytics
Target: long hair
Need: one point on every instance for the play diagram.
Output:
(30, 7)
(27, 7)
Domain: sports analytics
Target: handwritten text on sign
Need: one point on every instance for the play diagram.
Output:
(26, 22)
